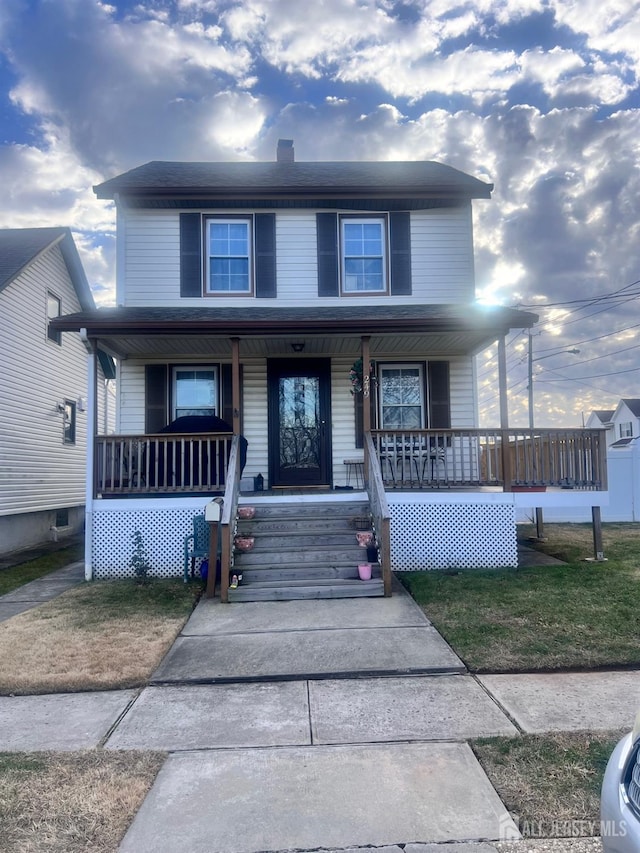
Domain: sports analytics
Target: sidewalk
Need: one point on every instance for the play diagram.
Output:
(317, 725)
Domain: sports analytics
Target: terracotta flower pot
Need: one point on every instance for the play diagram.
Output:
(244, 543)
(246, 511)
(364, 571)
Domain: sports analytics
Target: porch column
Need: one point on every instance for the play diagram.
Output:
(366, 393)
(235, 384)
(504, 414)
(92, 424)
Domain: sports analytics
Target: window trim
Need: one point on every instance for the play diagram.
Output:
(54, 336)
(383, 221)
(69, 423)
(626, 429)
(175, 368)
(249, 221)
(422, 370)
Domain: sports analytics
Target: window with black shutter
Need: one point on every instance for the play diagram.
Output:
(228, 255)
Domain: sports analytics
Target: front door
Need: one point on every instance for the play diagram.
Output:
(299, 422)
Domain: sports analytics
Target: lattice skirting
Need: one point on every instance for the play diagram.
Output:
(448, 536)
(163, 532)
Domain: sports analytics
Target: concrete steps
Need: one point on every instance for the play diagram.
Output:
(304, 550)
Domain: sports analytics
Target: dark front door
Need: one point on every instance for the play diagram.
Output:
(299, 422)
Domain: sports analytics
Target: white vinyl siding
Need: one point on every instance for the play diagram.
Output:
(254, 411)
(37, 470)
(441, 260)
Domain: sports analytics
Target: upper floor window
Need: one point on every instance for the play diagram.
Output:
(229, 256)
(54, 308)
(363, 255)
(626, 430)
(195, 391)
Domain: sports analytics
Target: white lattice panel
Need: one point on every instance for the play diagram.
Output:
(163, 532)
(452, 536)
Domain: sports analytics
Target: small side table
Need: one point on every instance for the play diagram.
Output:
(355, 468)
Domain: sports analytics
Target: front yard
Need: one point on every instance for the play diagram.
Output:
(574, 616)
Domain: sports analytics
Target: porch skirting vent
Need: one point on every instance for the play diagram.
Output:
(452, 536)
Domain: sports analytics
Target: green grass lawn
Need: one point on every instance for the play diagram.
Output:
(554, 617)
(16, 576)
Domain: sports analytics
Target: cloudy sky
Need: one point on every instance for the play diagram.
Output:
(540, 97)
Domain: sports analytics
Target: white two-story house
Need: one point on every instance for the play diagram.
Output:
(43, 376)
(325, 312)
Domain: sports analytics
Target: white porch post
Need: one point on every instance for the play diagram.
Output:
(92, 421)
(504, 415)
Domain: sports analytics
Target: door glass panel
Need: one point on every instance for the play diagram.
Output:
(299, 439)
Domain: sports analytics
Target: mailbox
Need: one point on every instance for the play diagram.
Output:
(213, 509)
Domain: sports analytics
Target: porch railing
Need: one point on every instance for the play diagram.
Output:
(380, 513)
(510, 458)
(167, 463)
(228, 520)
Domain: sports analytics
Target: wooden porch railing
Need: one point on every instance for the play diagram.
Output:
(380, 513)
(167, 463)
(510, 458)
(228, 519)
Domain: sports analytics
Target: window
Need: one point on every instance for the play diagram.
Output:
(626, 430)
(195, 391)
(363, 255)
(402, 396)
(53, 311)
(229, 256)
(69, 432)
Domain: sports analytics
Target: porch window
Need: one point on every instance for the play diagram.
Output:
(53, 311)
(229, 256)
(195, 391)
(402, 396)
(364, 256)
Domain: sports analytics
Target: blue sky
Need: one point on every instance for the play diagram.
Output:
(540, 98)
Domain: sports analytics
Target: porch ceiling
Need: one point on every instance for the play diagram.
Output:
(445, 330)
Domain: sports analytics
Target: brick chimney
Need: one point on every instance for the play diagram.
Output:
(286, 152)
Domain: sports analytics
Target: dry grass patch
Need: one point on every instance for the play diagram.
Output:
(70, 802)
(98, 636)
(550, 783)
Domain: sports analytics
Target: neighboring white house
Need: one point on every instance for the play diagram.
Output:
(255, 292)
(43, 375)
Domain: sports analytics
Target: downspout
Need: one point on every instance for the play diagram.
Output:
(92, 420)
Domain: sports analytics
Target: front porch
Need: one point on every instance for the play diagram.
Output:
(436, 499)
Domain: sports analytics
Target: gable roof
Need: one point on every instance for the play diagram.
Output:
(603, 415)
(633, 404)
(357, 178)
(20, 247)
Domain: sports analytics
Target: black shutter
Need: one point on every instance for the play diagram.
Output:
(190, 254)
(439, 395)
(400, 258)
(327, 237)
(155, 397)
(226, 382)
(265, 224)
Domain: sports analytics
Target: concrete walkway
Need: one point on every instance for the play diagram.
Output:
(328, 725)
